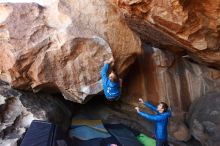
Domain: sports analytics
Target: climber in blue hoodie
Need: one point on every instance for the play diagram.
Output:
(111, 83)
(160, 119)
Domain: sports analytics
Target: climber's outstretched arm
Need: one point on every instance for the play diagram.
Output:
(147, 104)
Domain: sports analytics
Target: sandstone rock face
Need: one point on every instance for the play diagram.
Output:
(19, 109)
(61, 45)
(178, 25)
(175, 79)
(163, 76)
(204, 119)
(178, 130)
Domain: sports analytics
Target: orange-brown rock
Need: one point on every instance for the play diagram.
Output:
(179, 25)
(160, 75)
(171, 78)
(61, 45)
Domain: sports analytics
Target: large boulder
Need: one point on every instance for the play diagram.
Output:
(160, 75)
(178, 25)
(61, 45)
(19, 109)
(204, 119)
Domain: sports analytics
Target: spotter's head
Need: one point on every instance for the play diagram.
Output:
(162, 107)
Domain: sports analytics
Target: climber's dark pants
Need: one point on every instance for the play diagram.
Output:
(161, 142)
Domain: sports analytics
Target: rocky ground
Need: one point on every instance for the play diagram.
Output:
(18, 109)
(164, 50)
(118, 112)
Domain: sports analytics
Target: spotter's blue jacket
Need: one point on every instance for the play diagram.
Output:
(160, 120)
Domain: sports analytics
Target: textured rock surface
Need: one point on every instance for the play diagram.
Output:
(61, 45)
(178, 130)
(166, 76)
(204, 119)
(177, 25)
(174, 79)
(19, 109)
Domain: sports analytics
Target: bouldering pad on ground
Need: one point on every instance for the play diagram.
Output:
(145, 140)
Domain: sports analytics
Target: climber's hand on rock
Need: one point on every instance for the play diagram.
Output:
(141, 100)
(137, 109)
(111, 60)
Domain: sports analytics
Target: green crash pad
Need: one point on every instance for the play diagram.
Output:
(145, 140)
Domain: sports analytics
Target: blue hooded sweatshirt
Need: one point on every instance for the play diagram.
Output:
(160, 120)
(111, 89)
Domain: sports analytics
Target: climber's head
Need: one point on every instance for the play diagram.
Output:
(113, 76)
(162, 107)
